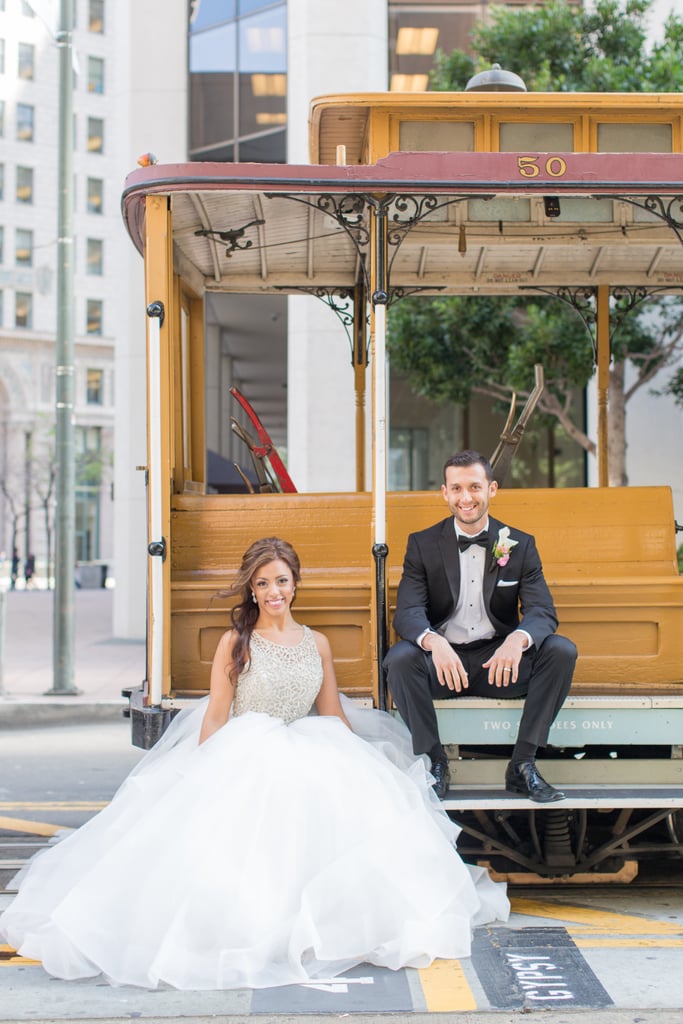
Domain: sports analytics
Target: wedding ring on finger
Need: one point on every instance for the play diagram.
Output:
(506, 669)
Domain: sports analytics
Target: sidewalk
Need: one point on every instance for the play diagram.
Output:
(103, 664)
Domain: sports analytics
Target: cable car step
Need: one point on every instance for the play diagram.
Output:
(487, 798)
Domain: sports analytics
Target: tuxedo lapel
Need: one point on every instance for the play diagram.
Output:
(492, 568)
(448, 547)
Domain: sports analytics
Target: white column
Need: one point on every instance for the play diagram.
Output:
(152, 82)
(334, 48)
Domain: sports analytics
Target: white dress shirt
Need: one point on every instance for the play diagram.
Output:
(469, 621)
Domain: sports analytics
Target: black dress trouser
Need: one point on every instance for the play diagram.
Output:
(545, 676)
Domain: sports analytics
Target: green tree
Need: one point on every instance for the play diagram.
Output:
(559, 47)
(491, 344)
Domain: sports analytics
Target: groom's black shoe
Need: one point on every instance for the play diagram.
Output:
(525, 778)
(442, 777)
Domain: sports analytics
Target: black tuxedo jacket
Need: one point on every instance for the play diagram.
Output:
(515, 595)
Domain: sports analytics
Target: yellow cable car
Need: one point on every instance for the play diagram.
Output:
(473, 193)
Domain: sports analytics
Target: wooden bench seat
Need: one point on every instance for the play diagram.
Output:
(609, 557)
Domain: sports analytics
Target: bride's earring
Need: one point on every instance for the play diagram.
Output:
(253, 597)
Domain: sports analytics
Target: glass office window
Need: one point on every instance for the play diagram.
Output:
(23, 247)
(205, 13)
(95, 199)
(213, 50)
(24, 193)
(2, 181)
(95, 257)
(2, 243)
(213, 59)
(96, 75)
(25, 118)
(23, 309)
(88, 444)
(26, 63)
(95, 135)
(2, 118)
(94, 317)
(2, 56)
(262, 49)
(94, 387)
(96, 16)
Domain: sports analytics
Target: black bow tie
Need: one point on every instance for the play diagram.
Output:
(465, 542)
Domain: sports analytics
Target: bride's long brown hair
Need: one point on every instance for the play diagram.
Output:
(244, 615)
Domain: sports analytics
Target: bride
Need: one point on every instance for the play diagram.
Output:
(260, 843)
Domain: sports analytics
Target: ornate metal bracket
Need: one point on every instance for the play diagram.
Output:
(581, 299)
(658, 207)
(403, 213)
(396, 294)
(231, 236)
(344, 309)
(347, 210)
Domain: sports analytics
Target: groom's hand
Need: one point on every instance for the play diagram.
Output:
(503, 665)
(450, 671)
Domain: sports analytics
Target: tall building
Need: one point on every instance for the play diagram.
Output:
(28, 243)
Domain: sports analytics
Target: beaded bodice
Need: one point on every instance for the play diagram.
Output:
(280, 681)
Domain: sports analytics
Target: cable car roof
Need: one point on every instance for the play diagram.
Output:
(458, 223)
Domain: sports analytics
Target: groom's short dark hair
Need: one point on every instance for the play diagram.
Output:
(468, 457)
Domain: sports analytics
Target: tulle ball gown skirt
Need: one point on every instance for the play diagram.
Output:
(269, 855)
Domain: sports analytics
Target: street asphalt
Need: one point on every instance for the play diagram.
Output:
(103, 664)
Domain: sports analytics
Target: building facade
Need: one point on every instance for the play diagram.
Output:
(28, 242)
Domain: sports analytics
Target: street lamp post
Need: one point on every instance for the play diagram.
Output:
(63, 618)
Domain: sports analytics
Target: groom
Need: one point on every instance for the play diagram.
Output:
(477, 619)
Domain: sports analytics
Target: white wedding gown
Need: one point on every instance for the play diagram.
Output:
(282, 849)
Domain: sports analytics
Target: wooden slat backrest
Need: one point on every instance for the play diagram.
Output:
(582, 533)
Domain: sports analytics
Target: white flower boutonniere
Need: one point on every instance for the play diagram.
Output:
(503, 546)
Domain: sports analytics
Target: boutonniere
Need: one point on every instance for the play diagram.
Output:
(503, 546)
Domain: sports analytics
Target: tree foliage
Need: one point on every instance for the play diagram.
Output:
(455, 346)
(559, 47)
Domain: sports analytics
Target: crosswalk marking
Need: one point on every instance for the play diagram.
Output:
(592, 921)
(52, 805)
(36, 828)
(10, 958)
(445, 987)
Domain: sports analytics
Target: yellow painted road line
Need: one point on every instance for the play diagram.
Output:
(596, 920)
(617, 942)
(52, 805)
(446, 988)
(10, 958)
(35, 828)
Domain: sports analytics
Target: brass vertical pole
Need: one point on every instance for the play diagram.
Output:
(603, 360)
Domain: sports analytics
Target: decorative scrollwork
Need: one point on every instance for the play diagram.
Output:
(343, 309)
(658, 206)
(396, 294)
(231, 236)
(624, 300)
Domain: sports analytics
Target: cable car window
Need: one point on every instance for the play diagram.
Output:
(535, 137)
(436, 136)
(634, 138)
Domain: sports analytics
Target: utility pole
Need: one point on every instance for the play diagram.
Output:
(65, 519)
